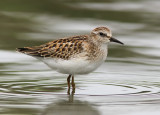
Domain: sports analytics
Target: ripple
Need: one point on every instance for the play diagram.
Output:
(48, 86)
(116, 89)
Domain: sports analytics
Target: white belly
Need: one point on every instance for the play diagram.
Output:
(74, 66)
(78, 65)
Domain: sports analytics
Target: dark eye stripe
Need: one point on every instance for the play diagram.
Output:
(102, 34)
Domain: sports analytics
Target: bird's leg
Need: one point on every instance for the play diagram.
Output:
(73, 84)
(68, 92)
(68, 81)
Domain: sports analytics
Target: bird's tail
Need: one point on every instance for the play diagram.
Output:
(23, 50)
(33, 51)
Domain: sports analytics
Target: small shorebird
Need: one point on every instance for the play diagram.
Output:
(74, 55)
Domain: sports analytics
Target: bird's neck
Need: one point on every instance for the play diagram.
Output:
(103, 46)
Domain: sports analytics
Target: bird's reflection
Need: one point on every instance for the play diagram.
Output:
(70, 106)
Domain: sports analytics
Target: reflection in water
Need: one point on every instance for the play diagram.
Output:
(128, 84)
(70, 106)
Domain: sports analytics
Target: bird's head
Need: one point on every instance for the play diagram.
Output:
(103, 35)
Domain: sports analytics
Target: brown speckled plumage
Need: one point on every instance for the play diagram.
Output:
(66, 48)
(62, 48)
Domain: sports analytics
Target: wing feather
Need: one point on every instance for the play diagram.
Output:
(62, 48)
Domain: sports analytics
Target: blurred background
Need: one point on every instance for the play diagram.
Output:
(127, 84)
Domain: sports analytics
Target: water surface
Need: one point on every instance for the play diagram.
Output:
(126, 84)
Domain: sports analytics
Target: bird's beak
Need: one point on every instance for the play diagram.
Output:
(115, 40)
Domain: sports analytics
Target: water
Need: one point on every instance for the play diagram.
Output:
(126, 84)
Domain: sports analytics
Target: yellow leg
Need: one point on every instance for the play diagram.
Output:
(68, 80)
(73, 84)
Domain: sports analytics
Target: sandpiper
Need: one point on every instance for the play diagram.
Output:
(74, 55)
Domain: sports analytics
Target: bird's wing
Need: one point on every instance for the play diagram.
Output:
(62, 48)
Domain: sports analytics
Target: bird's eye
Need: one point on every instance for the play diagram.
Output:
(102, 34)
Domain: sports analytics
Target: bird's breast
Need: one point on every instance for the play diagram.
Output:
(98, 53)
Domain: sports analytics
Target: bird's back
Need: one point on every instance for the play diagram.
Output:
(63, 48)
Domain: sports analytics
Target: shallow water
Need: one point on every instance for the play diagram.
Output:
(128, 83)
